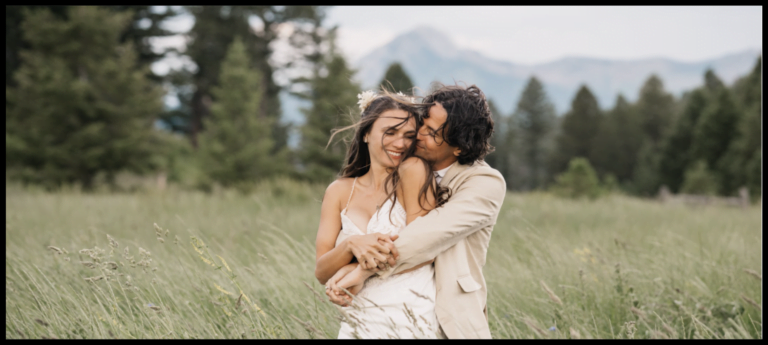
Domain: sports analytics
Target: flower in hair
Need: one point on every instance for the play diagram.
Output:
(365, 99)
(406, 97)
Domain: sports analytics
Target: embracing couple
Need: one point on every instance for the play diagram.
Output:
(405, 229)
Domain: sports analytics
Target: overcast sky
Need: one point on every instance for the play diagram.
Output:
(539, 34)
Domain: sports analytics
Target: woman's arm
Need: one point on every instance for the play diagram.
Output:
(413, 175)
(367, 248)
(330, 258)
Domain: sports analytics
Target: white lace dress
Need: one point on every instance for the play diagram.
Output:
(400, 306)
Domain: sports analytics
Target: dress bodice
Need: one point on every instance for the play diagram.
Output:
(381, 222)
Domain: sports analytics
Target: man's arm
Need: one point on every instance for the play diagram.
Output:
(473, 206)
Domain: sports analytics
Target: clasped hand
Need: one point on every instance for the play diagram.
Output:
(374, 251)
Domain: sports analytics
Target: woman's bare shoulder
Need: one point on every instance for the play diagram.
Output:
(339, 189)
(413, 167)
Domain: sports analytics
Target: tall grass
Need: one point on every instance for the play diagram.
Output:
(227, 265)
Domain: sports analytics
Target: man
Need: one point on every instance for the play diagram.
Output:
(455, 136)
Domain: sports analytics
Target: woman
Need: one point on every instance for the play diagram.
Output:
(382, 188)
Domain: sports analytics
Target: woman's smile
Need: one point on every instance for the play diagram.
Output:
(395, 155)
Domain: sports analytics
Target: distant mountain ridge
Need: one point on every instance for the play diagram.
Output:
(428, 55)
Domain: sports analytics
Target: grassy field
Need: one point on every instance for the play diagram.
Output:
(236, 266)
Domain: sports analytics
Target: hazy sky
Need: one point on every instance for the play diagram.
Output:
(538, 34)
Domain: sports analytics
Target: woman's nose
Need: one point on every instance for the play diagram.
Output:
(400, 143)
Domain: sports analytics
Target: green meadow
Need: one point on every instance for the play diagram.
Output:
(229, 265)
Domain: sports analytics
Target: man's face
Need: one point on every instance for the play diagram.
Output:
(430, 144)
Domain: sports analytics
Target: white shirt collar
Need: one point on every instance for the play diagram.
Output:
(441, 173)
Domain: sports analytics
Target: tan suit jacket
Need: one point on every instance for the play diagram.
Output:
(457, 236)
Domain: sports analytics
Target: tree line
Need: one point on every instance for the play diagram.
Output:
(82, 103)
(705, 142)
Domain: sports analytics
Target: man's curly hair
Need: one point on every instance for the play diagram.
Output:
(469, 124)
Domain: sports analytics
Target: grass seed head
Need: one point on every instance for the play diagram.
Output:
(638, 312)
(535, 328)
(551, 294)
(751, 302)
(158, 230)
(753, 273)
(671, 331)
(56, 250)
(112, 242)
(574, 333)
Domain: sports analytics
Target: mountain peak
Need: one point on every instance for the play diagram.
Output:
(438, 42)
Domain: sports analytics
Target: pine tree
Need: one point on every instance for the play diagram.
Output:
(699, 180)
(333, 95)
(676, 149)
(655, 111)
(215, 28)
(146, 23)
(580, 180)
(396, 80)
(81, 105)
(499, 157)
(740, 166)
(535, 119)
(578, 129)
(236, 148)
(712, 83)
(655, 108)
(14, 37)
(715, 131)
(617, 144)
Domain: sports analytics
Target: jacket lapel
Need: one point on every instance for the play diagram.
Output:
(451, 173)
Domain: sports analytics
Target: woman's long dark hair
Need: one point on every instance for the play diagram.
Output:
(358, 160)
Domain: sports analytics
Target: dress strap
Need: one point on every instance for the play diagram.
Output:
(350, 195)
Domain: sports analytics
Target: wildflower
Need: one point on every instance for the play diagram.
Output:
(207, 261)
(259, 310)
(365, 98)
(224, 262)
(552, 329)
(197, 244)
(221, 289)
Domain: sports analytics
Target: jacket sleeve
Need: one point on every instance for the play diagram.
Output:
(474, 205)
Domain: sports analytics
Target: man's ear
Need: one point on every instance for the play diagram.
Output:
(457, 152)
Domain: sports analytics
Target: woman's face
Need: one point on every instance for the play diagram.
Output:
(387, 142)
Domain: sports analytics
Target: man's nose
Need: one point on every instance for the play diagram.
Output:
(420, 136)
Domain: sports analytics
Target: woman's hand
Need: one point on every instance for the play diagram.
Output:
(331, 289)
(352, 281)
(373, 250)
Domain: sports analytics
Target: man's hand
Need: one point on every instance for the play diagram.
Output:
(393, 256)
(372, 250)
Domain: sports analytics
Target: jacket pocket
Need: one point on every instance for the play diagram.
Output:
(468, 284)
